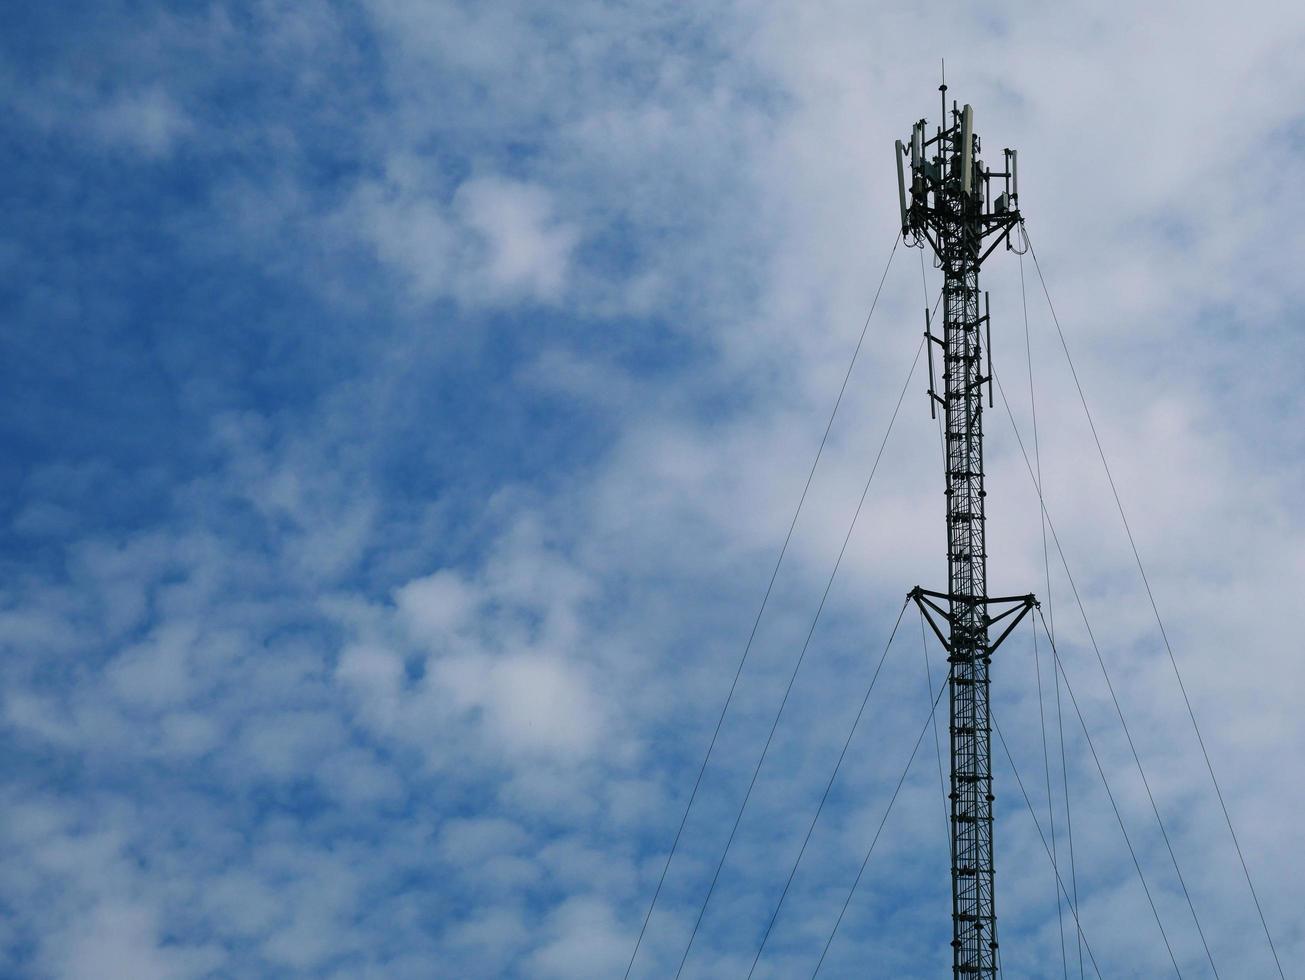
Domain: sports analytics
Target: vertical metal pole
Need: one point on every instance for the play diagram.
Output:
(955, 217)
(974, 918)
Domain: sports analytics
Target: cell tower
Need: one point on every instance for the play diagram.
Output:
(948, 204)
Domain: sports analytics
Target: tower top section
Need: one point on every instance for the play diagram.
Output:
(942, 181)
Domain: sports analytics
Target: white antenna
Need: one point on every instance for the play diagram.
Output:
(901, 181)
(967, 148)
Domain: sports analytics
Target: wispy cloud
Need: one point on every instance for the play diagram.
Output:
(406, 404)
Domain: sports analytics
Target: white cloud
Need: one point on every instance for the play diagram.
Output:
(469, 841)
(371, 741)
(155, 673)
(286, 743)
(376, 672)
(586, 941)
(436, 606)
(148, 121)
(496, 243)
(122, 942)
(527, 252)
(143, 119)
(533, 704)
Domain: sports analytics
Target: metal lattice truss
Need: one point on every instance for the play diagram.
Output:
(951, 208)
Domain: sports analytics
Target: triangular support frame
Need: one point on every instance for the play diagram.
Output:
(1017, 606)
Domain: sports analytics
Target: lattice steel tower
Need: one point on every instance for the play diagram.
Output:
(947, 202)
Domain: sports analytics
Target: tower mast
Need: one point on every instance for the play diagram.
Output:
(947, 204)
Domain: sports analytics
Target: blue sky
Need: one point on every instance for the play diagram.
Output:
(406, 403)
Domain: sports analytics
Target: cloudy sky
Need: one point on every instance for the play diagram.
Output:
(405, 405)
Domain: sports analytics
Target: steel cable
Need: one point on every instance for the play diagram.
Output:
(798, 665)
(924, 643)
(1156, 611)
(1051, 613)
(1028, 802)
(1051, 813)
(693, 795)
(937, 743)
(828, 786)
(875, 840)
(1110, 794)
(1083, 612)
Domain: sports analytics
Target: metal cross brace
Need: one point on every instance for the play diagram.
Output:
(1018, 606)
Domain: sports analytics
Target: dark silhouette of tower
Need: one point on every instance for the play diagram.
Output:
(947, 203)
